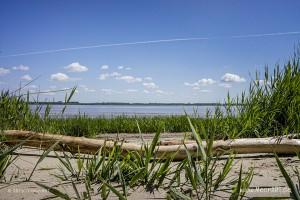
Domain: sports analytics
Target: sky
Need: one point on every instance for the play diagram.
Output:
(143, 51)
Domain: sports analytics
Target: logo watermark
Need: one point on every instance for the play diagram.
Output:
(275, 189)
(27, 190)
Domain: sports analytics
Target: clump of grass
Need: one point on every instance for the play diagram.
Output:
(273, 105)
(6, 158)
(14, 111)
(101, 170)
(202, 178)
(270, 107)
(144, 168)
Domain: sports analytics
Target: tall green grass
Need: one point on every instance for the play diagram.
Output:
(270, 107)
(273, 105)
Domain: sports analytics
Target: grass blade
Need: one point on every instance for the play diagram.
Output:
(288, 179)
(43, 157)
(54, 191)
(198, 140)
(113, 189)
(175, 194)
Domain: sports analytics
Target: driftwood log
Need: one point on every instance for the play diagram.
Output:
(282, 145)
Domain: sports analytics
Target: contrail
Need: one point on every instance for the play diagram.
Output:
(151, 42)
(266, 34)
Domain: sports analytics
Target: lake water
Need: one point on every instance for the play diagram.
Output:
(127, 110)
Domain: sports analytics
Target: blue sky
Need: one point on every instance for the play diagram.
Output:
(192, 70)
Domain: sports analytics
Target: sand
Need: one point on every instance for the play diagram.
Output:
(267, 180)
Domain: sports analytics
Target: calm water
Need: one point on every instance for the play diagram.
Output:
(128, 110)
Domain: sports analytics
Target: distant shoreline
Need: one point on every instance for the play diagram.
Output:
(131, 104)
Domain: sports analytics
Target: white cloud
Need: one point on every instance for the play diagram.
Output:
(225, 85)
(126, 68)
(104, 76)
(107, 75)
(115, 74)
(129, 79)
(150, 85)
(204, 91)
(163, 92)
(59, 77)
(158, 91)
(21, 68)
(148, 78)
(86, 89)
(89, 90)
(228, 77)
(104, 67)
(201, 82)
(4, 71)
(191, 84)
(26, 77)
(131, 90)
(76, 67)
(206, 81)
(119, 76)
(108, 91)
(199, 89)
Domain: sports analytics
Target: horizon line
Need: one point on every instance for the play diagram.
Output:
(121, 103)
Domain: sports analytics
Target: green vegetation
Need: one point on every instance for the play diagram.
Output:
(204, 176)
(6, 158)
(109, 172)
(295, 188)
(270, 107)
(273, 106)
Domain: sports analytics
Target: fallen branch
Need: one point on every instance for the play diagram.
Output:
(87, 145)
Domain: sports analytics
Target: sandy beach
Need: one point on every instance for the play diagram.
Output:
(267, 180)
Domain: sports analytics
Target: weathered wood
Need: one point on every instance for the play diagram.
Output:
(87, 145)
